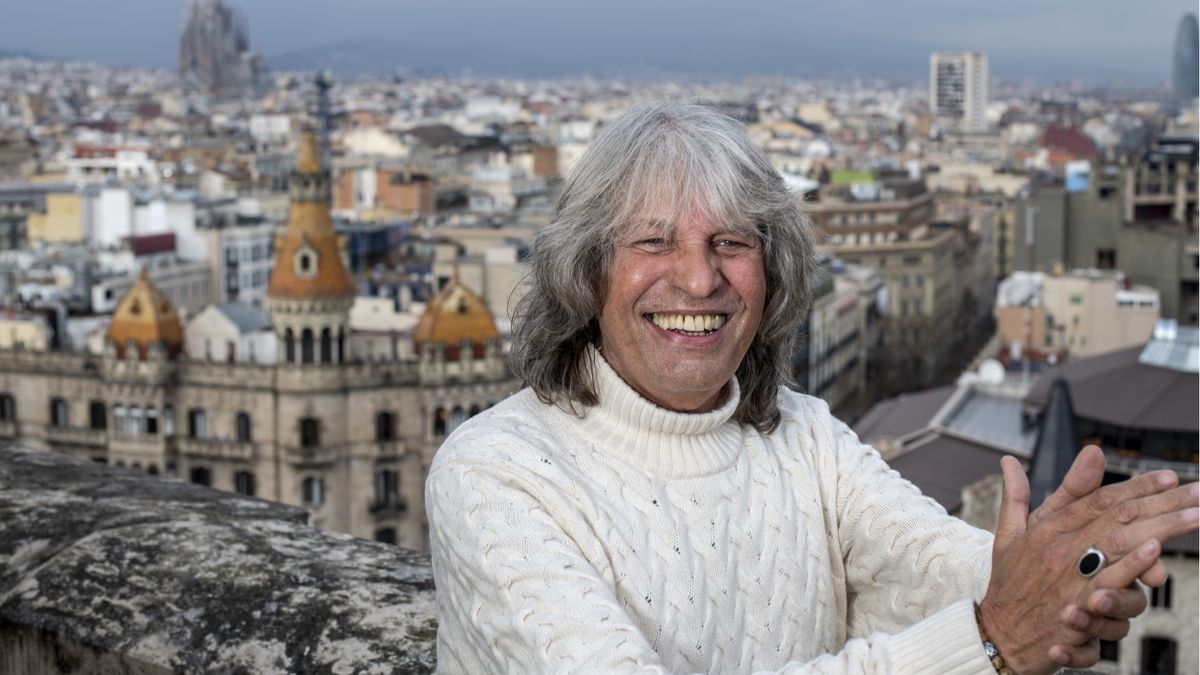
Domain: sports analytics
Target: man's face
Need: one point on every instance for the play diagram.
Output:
(684, 302)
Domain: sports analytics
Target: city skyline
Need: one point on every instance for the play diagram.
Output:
(1096, 41)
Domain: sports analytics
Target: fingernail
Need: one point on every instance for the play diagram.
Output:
(1149, 548)
(1105, 605)
(1165, 479)
(1079, 619)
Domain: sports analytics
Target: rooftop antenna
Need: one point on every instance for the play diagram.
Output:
(324, 83)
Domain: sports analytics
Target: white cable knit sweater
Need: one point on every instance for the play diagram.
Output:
(638, 539)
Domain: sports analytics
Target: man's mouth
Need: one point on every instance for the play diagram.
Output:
(694, 325)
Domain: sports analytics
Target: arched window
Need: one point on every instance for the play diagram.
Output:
(152, 470)
(119, 418)
(243, 426)
(243, 482)
(457, 417)
(97, 416)
(439, 422)
(168, 420)
(385, 426)
(201, 475)
(152, 420)
(474, 410)
(58, 413)
(386, 535)
(306, 346)
(310, 432)
(8, 408)
(341, 345)
(312, 490)
(326, 346)
(289, 340)
(197, 423)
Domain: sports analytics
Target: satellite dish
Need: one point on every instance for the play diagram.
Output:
(991, 371)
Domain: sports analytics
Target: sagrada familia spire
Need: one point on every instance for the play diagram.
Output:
(214, 51)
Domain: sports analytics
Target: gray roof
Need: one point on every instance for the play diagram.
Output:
(245, 317)
(993, 419)
(944, 465)
(902, 415)
(1118, 389)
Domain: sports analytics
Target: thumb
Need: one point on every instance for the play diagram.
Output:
(1014, 504)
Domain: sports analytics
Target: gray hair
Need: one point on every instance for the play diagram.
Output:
(684, 158)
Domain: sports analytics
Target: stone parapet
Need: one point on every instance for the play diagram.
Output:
(106, 570)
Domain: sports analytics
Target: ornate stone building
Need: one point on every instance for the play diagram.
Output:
(347, 438)
(214, 51)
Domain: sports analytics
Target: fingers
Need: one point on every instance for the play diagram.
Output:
(1082, 656)
(1164, 527)
(1084, 476)
(1123, 572)
(1014, 504)
(1156, 576)
(1100, 502)
(1095, 626)
(1121, 603)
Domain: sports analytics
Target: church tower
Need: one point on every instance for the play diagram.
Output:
(310, 293)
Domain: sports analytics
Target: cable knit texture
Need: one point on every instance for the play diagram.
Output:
(636, 539)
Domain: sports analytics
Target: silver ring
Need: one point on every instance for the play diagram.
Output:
(1091, 562)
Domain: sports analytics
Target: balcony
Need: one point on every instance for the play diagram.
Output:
(146, 575)
(96, 438)
(214, 448)
(392, 505)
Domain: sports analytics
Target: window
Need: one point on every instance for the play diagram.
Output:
(386, 488)
(1106, 259)
(152, 420)
(385, 426)
(386, 535)
(201, 475)
(8, 408)
(326, 346)
(474, 410)
(58, 413)
(310, 433)
(1158, 656)
(243, 482)
(306, 346)
(305, 263)
(1110, 651)
(119, 418)
(133, 424)
(168, 418)
(243, 427)
(289, 339)
(1161, 596)
(197, 423)
(312, 490)
(439, 422)
(97, 416)
(920, 281)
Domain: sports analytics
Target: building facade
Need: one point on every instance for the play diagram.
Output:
(959, 88)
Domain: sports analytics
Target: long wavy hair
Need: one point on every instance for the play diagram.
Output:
(683, 158)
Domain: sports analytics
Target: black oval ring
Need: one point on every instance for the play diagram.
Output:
(1091, 562)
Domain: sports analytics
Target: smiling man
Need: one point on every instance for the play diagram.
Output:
(656, 500)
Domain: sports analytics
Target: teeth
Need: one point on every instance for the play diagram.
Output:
(688, 323)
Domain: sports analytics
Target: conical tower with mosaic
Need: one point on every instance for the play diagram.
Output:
(310, 292)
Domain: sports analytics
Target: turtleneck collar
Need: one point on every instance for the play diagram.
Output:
(662, 442)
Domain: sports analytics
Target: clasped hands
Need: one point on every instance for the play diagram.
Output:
(1040, 611)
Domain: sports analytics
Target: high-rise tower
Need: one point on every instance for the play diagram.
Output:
(959, 88)
(1185, 63)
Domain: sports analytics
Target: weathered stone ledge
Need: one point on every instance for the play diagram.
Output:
(110, 571)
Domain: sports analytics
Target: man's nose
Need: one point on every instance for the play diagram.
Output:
(697, 270)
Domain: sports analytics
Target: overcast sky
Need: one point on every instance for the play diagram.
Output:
(1128, 40)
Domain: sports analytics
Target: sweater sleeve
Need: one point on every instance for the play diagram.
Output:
(905, 557)
(517, 593)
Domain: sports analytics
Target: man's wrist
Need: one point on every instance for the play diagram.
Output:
(990, 648)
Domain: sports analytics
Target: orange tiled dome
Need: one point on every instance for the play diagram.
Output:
(144, 316)
(453, 316)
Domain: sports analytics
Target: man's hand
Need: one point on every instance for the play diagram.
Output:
(1041, 613)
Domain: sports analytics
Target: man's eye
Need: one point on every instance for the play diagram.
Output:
(652, 244)
(731, 244)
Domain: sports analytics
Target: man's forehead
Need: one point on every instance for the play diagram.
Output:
(666, 224)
